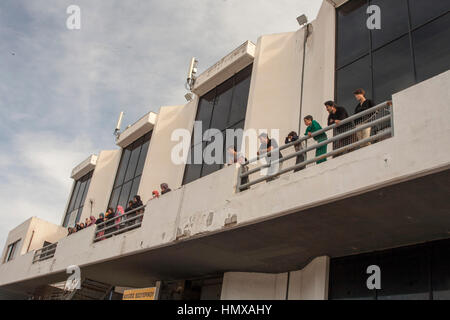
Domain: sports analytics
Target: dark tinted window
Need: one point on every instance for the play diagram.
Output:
(392, 69)
(394, 21)
(411, 46)
(351, 77)
(432, 48)
(222, 105)
(407, 273)
(222, 108)
(441, 270)
(423, 11)
(348, 278)
(352, 39)
(77, 199)
(130, 172)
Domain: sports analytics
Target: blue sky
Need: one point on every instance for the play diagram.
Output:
(61, 90)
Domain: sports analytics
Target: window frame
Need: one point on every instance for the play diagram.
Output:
(145, 139)
(236, 79)
(11, 250)
(373, 48)
(87, 178)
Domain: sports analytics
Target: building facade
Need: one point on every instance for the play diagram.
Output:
(312, 233)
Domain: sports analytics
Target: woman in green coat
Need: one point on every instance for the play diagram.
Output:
(314, 126)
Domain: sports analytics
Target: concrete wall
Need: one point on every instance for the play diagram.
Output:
(158, 166)
(101, 183)
(254, 286)
(274, 98)
(32, 235)
(319, 65)
(310, 283)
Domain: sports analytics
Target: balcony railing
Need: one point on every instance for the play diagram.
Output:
(119, 224)
(353, 133)
(45, 253)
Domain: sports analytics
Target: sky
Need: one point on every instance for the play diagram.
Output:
(62, 90)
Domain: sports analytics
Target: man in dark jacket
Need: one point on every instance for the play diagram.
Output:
(363, 104)
(292, 137)
(336, 115)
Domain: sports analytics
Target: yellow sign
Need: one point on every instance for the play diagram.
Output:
(139, 294)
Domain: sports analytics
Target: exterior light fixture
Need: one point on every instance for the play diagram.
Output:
(302, 20)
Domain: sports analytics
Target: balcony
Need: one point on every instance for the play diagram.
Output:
(390, 193)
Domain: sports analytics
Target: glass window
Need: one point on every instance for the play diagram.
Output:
(77, 200)
(405, 274)
(126, 153)
(423, 11)
(11, 251)
(132, 163)
(348, 278)
(394, 21)
(354, 76)
(353, 39)
(130, 171)
(411, 46)
(221, 108)
(393, 69)
(432, 48)
(222, 105)
(205, 109)
(240, 96)
(441, 270)
(142, 157)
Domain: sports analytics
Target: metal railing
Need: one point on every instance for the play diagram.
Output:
(45, 253)
(360, 130)
(119, 224)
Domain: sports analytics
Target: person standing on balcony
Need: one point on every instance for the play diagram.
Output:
(164, 188)
(292, 137)
(336, 115)
(155, 194)
(238, 157)
(101, 219)
(272, 157)
(363, 104)
(130, 206)
(314, 126)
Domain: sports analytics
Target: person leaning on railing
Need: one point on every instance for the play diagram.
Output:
(237, 157)
(292, 137)
(100, 220)
(266, 150)
(336, 115)
(313, 126)
(363, 104)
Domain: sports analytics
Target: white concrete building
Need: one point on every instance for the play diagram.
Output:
(309, 234)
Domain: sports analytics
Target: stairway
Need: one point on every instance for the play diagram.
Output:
(90, 290)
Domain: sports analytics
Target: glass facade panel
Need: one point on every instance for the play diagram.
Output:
(431, 51)
(411, 46)
(77, 200)
(419, 272)
(393, 69)
(353, 40)
(405, 274)
(221, 108)
(348, 278)
(423, 11)
(351, 77)
(130, 172)
(394, 21)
